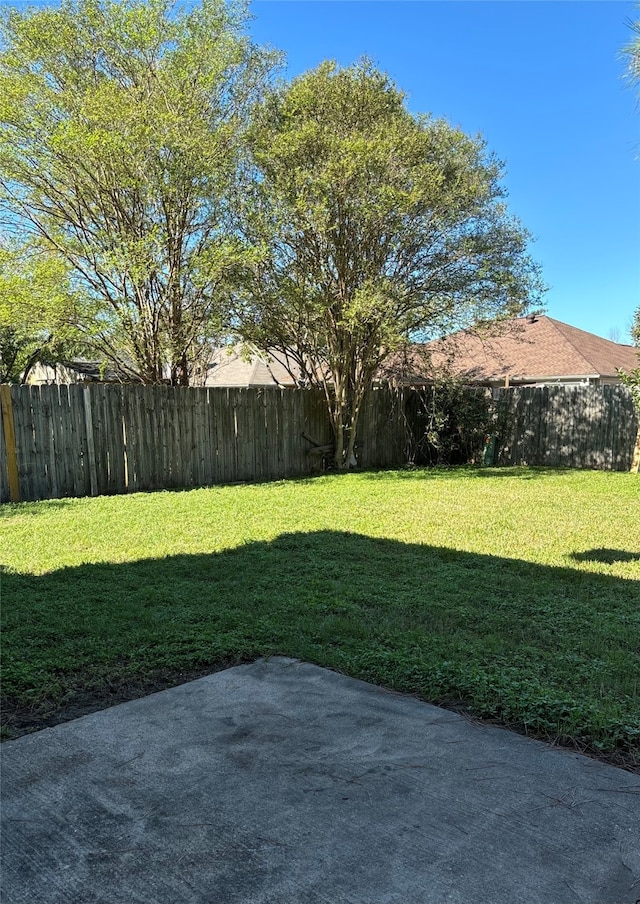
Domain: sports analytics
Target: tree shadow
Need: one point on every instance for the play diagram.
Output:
(551, 651)
(519, 472)
(607, 556)
(454, 472)
(20, 509)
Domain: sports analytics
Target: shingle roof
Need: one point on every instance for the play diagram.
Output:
(237, 366)
(524, 350)
(532, 349)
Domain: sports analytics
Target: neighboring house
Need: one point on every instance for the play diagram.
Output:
(78, 371)
(242, 366)
(234, 365)
(527, 351)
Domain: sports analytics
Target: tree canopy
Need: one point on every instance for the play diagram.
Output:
(374, 226)
(632, 54)
(143, 147)
(39, 311)
(121, 126)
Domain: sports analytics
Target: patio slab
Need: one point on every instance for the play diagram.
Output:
(282, 782)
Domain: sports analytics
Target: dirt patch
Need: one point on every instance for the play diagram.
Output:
(20, 719)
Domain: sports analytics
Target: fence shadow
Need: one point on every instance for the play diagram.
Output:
(520, 643)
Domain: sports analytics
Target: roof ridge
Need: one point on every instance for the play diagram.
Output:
(557, 324)
(254, 360)
(577, 329)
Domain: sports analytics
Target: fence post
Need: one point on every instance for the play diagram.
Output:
(10, 442)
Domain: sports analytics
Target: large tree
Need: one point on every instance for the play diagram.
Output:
(121, 128)
(374, 226)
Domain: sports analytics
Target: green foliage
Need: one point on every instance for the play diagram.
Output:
(635, 327)
(447, 423)
(39, 311)
(120, 141)
(374, 225)
(632, 54)
(631, 379)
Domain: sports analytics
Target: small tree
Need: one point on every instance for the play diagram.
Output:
(635, 328)
(447, 422)
(631, 380)
(39, 311)
(374, 226)
(120, 142)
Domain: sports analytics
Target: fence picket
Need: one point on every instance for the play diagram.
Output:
(96, 398)
(23, 440)
(4, 456)
(116, 439)
(9, 468)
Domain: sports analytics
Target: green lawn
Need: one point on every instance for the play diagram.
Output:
(514, 593)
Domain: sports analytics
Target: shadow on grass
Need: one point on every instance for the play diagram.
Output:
(550, 651)
(16, 509)
(461, 472)
(607, 556)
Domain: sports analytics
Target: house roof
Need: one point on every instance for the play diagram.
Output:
(77, 370)
(530, 349)
(239, 365)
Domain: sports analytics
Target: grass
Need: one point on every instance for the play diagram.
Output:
(512, 593)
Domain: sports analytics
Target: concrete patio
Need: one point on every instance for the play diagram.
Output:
(283, 782)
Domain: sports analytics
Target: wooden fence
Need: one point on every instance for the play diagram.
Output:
(567, 427)
(58, 441)
(106, 439)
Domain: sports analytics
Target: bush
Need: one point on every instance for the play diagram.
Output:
(447, 422)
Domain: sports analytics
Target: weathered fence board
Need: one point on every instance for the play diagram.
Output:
(568, 427)
(9, 477)
(104, 439)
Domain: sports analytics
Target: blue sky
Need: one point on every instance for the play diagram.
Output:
(543, 83)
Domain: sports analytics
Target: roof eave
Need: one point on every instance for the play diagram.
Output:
(549, 378)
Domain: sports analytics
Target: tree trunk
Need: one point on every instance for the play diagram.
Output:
(339, 453)
(351, 454)
(30, 365)
(337, 419)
